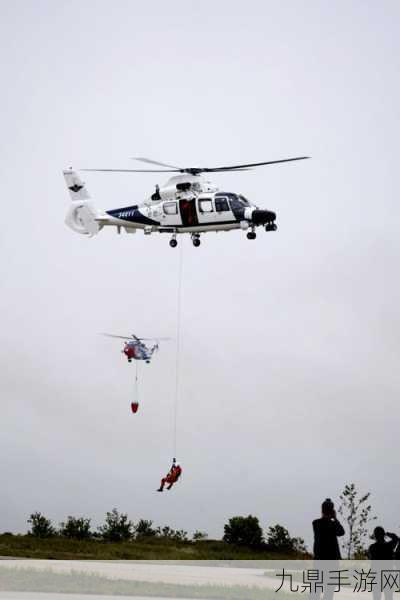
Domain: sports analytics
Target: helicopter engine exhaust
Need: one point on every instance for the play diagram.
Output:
(263, 217)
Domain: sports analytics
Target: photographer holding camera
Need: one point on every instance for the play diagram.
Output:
(327, 529)
(381, 549)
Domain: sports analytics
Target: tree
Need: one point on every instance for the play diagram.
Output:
(145, 529)
(199, 536)
(117, 527)
(180, 535)
(356, 511)
(167, 532)
(244, 531)
(76, 528)
(41, 527)
(280, 540)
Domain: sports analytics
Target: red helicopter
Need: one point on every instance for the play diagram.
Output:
(134, 347)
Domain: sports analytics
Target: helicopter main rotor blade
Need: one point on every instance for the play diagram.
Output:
(198, 170)
(149, 339)
(154, 339)
(155, 162)
(214, 169)
(134, 170)
(120, 337)
(250, 165)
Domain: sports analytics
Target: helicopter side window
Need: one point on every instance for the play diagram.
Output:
(221, 204)
(170, 208)
(205, 206)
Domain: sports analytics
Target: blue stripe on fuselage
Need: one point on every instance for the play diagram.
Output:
(132, 215)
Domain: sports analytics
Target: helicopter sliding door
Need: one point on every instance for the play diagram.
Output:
(215, 211)
(188, 213)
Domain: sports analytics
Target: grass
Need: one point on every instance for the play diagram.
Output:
(27, 546)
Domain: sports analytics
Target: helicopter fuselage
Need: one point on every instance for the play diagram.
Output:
(138, 351)
(184, 206)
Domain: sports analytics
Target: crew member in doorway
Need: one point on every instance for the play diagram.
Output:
(156, 196)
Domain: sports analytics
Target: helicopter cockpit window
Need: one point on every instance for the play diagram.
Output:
(244, 201)
(205, 206)
(221, 204)
(170, 208)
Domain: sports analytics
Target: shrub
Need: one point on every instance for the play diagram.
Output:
(279, 539)
(198, 536)
(172, 534)
(145, 529)
(167, 532)
(180, 536)
(243, 531)
(117, 527)
(76, 528)
(41, 527)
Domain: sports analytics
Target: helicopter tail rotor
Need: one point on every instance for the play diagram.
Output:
(82, 216)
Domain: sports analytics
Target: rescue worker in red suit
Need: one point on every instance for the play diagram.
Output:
(172, 477)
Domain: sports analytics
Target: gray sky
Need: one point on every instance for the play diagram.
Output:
(289, 364)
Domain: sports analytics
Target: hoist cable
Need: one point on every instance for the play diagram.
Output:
(178, 343)
(136, 382)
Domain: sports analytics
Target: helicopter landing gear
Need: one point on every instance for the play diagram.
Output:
(173, 242)
(271, 227)
(196, 239)
(251, 235)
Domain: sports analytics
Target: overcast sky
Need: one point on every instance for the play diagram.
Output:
(290, 343)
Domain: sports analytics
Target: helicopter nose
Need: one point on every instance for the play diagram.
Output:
(261, 217)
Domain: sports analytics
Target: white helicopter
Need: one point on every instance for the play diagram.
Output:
(134, 347)
(187, 203)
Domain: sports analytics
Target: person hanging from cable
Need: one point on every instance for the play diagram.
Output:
(172, 477)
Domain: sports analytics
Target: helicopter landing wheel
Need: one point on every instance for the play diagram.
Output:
(196, 242)
(251, 235)
(173, 243)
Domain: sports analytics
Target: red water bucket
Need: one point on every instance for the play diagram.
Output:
(134, 407)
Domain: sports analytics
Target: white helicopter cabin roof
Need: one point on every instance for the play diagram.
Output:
(197, 184)
(185, 178)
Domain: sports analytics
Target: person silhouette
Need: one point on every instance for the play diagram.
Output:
(382, 550)
(397, 551)
(327, 529)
